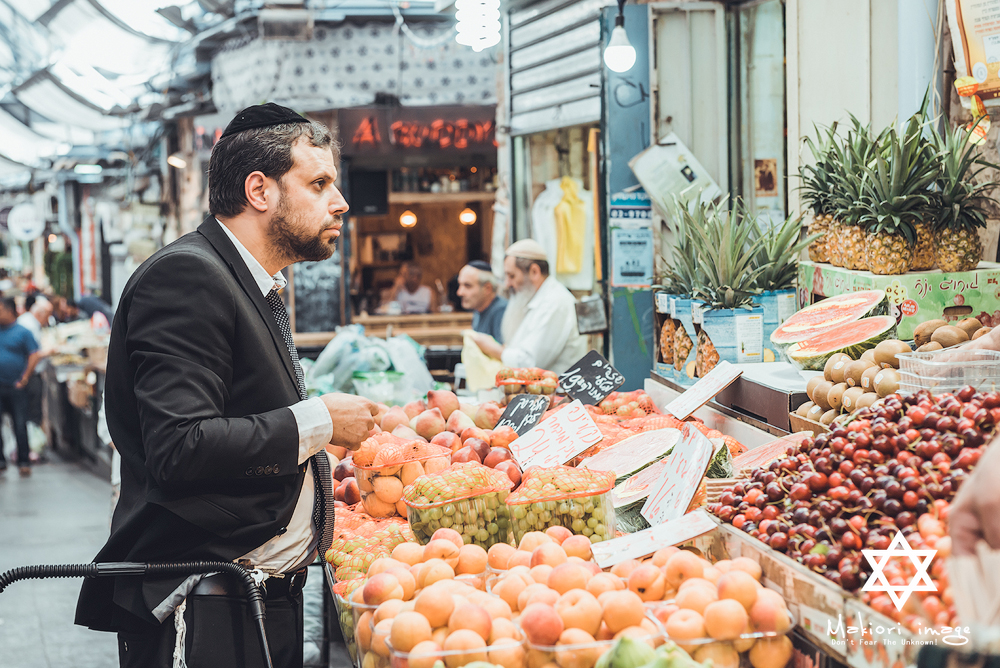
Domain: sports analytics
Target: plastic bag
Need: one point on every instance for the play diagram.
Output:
(480, 368)
(407, 358)
(392, 467)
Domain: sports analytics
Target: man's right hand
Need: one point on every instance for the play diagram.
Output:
(353, 418)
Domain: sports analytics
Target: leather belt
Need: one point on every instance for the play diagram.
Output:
(223, 584)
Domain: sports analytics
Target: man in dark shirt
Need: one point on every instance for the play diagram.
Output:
(18, 357)
(477, 286)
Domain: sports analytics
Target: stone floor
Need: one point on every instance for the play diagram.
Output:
(60, 515)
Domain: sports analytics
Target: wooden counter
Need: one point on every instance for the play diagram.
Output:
(432, 329)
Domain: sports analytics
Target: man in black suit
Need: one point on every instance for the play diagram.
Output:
(223, 457)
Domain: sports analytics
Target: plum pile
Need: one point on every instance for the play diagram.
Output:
(893, 466)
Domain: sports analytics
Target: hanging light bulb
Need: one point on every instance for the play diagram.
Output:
(478, 23)
(619, 55)
(467, 217)
(407, 218)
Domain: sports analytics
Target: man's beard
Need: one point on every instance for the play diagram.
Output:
(517, 309)
(291, 238)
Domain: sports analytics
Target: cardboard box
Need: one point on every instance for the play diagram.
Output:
(917, 296)
(768, 391)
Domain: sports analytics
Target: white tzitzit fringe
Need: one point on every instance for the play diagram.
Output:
(180, 639)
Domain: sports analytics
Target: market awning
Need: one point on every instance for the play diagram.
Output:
(48, 96)
(21, 144)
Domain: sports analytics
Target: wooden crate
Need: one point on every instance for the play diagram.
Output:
(800, 423)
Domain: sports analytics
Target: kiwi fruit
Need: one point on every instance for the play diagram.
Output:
(886, 351)
(930, 347)
(982, 331)
(813, 382)
(820, 394)
(868, 378)
(970, 326)
(886, 382)
(831, 363)
(836, 396)
(923, 332)
(869, 355)
(828, 417)
(850, 399)
(839, 370)
(815, 413)
(949, 336)
(854, 371)
(803, 410)
(866, 400)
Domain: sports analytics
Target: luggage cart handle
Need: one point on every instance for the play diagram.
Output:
(112, 569)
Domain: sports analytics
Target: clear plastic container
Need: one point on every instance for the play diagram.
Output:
(361, 620)
(585, 655)
(482, 520)
(949, 370)
(506, 652)
(577, 499)
(382, 486)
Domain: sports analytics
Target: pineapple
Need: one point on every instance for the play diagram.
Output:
(820, 225)
(778, 255)
(833, 249)
(923, 255)
(707, 356)
(851, 239)
(958, 211)
(817, 186)
(895, 193)
(846, 159)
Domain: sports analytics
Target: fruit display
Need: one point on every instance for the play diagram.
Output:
(360, 539)
(346, 491)
(828, 314)
(530, 380)
(894, 466)
(467, 497)
(394, 466)
(935, 335)
(492, 449)
(851, 339)
(441, 412)
(578, 499)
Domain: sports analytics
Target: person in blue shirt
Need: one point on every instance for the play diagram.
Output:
(478, 287)
(18, 357)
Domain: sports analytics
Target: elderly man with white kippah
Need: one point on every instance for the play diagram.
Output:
(539, 325)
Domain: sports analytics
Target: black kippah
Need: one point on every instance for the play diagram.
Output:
(481, 265)
(261, 116)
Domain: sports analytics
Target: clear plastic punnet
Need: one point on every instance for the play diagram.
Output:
(949, 370)
(467, 497)
(578, 499)
(392, 467)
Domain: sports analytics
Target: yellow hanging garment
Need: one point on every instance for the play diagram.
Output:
(571, 227)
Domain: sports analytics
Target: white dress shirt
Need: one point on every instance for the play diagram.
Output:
(548, 336)
(30, 323)
(294, 547)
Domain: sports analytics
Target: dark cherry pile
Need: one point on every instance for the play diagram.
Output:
(893, 466)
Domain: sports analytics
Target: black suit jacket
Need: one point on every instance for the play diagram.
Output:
(199, 381)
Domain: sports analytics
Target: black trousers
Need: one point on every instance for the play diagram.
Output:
(221, 634)
(15, 402)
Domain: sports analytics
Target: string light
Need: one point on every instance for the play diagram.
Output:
(407, 218)
(467, 217)
(478, 23)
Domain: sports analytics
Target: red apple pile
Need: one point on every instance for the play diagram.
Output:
(346, 491)
(895, 466)
(490, 448)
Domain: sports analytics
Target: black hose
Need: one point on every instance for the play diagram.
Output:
(92, 570)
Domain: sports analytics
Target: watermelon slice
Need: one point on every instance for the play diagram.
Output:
(828, 314)
(851, 339)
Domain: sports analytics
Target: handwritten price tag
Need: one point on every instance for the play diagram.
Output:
(557, 439)
(523, 412)
(642, 543)
(634, 452)
(591, 379)
(718, 379)
(684, 469)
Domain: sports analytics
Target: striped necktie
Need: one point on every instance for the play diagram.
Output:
(323, 509)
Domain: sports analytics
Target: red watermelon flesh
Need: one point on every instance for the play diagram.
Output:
(852, 339)
(828, 314)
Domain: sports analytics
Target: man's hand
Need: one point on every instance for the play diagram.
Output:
(975, 513)
(488, 345)
(353, 418)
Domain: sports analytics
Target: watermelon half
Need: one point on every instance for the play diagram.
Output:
(852, 339)
(829, 314)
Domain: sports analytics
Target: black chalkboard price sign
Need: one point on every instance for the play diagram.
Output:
(591, 379)
(523, 412)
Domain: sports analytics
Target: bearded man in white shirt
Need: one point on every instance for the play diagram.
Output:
(539, 325)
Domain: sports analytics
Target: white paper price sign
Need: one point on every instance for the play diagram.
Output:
(681, 475)
(557, 439)
(642, 543)
(718, 379)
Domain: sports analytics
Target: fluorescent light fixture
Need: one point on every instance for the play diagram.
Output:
(88, 169)
(467, 217)
(619, 55)
(175, 160)
(408, 218)
(478, 23)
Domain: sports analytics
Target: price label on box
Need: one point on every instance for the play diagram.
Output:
(557, 439)
(681, 475)
(718, 379)
(643, 543)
